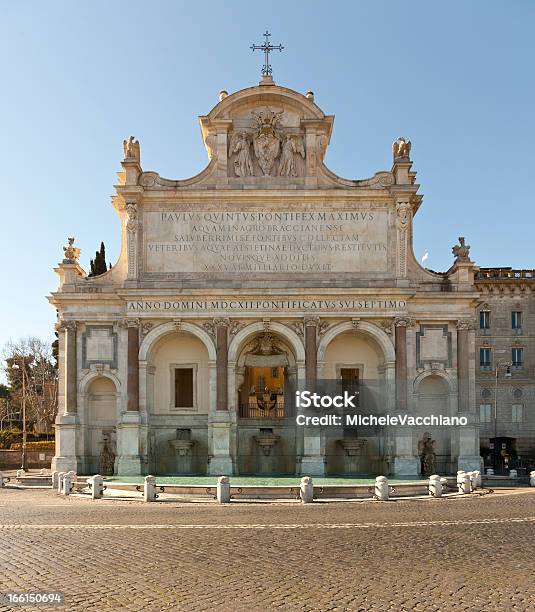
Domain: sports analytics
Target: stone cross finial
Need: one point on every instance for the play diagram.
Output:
(461, 251)
(71, 253)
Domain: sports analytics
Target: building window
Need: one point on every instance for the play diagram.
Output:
(484, 319)
(485, 412)
(484, 358)
(517, 357)
(516, 319)
(516, 413)
(183, 386)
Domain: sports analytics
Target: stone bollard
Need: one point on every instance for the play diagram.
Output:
(478, 480)
(463, 482)
(490, 472)
(42, 472)
(381, 488)
(20, 473)
(307, 490)
(54, 479)
(473, 480)
(67, 483)
(60, 481)
(444, 483)
(97, 486)
(1, 480)
(223, 490)
(435, 485)
(532, 479)
(513, 474)
(149, 489)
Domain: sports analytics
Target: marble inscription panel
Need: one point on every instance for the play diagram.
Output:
(232, 242)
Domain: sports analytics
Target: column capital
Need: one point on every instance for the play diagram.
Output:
(311, 320)
(222, 322)
(466, 324)
(66, 325)
(404, 322)
(129, 322)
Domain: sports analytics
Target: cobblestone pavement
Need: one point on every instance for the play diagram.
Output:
(470, 553)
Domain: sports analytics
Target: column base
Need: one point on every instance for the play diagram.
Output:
(312, 466)
(469, 463)
(64, 464)
(220, 466)
(65, 458)
(406, 466)
(129, 465)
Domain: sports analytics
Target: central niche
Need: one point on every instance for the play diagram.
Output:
(267, 365)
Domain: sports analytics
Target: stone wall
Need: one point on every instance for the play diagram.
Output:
(11, 459)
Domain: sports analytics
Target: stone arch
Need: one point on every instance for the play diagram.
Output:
(244, 335)
(99, 414)
(447, 378)
(368, 329)
(87, 379)
(164, 329)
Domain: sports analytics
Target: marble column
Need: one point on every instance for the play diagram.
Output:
(406, 463)
(65, 455)
(71, 368)
(132, 382)
(128, 427)
(401, 363)
(221, 329)
(312, 461)
(219, 425)
(463, 372)
(311, 351)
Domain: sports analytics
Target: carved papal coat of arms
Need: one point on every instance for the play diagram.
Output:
(267, 138)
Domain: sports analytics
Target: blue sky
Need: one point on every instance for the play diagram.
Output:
(455, 77)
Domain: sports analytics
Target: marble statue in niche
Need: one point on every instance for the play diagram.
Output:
(292, 146)
(240, 145)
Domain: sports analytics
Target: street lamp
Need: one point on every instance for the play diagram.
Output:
(499, 363)
(24, 463)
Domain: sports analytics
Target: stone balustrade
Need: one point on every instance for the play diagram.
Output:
(66, 483)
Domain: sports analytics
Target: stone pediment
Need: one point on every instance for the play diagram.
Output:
(265, 137)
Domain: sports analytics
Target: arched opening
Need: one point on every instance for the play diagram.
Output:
(357, 359)
(265, 374)
(177, 404)
(434, 443)
(101, 428)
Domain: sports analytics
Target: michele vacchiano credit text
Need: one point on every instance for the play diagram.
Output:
(307, 399)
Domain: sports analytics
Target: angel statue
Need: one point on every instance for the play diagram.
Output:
(241, 146)
(291, 147)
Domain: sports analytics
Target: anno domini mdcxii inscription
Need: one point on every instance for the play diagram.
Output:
(236, 242)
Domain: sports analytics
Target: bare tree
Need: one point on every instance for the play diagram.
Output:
(34, 359)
